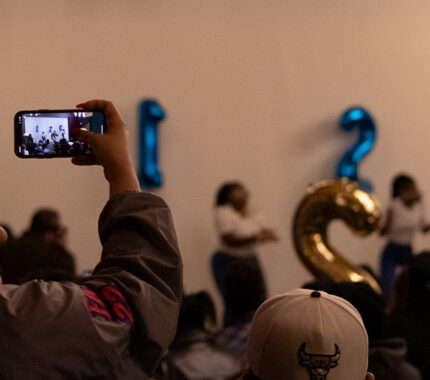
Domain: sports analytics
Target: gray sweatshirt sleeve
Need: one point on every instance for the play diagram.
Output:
(141, 258)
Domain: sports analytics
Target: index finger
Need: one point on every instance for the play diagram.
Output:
(111, 113)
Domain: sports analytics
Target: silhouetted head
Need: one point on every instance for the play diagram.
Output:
(233, 193)
(321, 283)
(46, 222)
(404, 187)
(368, 303)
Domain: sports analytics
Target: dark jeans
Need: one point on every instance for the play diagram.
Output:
(220, 263)
(393, 255)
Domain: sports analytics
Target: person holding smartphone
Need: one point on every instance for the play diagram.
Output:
(117, 323)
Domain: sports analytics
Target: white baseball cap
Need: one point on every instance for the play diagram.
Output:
(305, 334)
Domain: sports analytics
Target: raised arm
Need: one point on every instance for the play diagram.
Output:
(140, 252)
(111, 150)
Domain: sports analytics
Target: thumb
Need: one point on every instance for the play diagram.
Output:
(3, 235)
(88, 137)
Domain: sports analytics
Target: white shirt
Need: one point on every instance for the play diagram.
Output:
(230, 221)
(404, 221)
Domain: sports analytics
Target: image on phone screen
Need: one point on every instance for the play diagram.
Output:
(47, 134)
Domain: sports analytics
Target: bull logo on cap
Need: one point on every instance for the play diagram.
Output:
(318, 365)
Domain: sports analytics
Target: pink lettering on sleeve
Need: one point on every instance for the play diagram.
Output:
(108, 303)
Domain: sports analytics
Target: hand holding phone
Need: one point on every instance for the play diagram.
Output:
(55, 133)
(111, 150)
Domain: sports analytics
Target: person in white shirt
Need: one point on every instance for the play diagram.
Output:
(239, 232)
(404, 217)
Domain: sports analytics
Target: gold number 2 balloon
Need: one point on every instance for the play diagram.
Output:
(325, 201)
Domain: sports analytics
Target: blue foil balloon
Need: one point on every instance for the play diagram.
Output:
(150, 114)
(357, 117)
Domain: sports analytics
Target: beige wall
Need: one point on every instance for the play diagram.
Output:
(253, 90)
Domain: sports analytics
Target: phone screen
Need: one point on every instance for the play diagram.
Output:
(55, 133)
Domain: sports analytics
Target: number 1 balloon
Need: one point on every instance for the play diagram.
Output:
(151, 113)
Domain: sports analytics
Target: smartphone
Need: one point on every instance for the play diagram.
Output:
(55, 133)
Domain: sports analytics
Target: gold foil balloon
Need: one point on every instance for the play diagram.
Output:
(324, 202)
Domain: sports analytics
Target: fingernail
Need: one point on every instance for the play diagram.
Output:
(80, 105)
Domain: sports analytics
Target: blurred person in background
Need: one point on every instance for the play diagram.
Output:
(40, 253)
(239, 231)
(195, 354)
(404, 217)
(409, 308)
(387, 351)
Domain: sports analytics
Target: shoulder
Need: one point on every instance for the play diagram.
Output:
(37, 298)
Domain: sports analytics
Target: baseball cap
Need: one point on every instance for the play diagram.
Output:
(306, 334)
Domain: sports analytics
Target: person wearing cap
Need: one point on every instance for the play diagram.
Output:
(306, 334)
